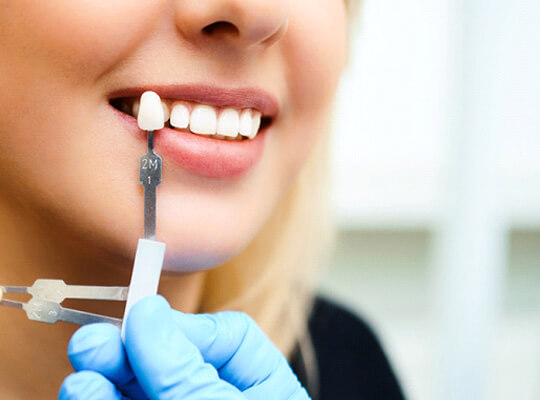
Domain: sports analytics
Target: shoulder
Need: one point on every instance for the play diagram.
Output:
(332, 320)
(351, 362)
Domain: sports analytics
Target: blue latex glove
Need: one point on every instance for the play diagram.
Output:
(171, 355)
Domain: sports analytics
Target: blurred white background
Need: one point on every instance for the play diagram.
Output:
(437, 193)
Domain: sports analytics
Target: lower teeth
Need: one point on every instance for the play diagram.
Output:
(213, 136)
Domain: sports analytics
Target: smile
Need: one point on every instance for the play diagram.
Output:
(224, 123)
(211, 132)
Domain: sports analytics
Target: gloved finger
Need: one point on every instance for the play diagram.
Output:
(88, 385)
(166, 363)
(241, 352)
(282, 383)
(99, 347)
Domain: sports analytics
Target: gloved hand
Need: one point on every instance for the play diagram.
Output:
(172, 355)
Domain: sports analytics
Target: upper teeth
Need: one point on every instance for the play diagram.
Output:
(207, 120)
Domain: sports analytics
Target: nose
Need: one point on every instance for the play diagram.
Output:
(239, 23)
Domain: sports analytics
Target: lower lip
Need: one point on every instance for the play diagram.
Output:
(200, 155)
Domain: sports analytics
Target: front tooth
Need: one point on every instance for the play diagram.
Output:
(166, 113)
(150, 115)
(245, 122)
(203, 120)
(228, 123)
(180, 116)
(256, 124)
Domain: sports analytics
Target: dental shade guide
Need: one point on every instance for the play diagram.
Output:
(48, 294)
(149, 256)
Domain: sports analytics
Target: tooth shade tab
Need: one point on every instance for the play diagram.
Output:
(179, 116)
(203, 120)
(228, 123)
(151, 116)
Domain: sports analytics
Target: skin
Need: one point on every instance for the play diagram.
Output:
(71, 205)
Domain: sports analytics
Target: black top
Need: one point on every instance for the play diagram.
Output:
(351, 362)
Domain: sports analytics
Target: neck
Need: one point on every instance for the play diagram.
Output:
(32, 247)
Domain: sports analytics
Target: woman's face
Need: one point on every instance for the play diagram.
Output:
(66, 151)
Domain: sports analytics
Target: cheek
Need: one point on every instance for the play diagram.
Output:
(315, 50)
(51, 66)
(81, 38)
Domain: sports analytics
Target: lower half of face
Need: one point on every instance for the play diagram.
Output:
(65, 149)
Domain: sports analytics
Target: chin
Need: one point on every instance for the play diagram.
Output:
(178, 261)
(201, 252)
(204, 229)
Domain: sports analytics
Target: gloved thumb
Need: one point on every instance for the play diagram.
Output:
(242, 353)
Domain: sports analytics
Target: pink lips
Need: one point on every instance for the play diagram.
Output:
(200, 155)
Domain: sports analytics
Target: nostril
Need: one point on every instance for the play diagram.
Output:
(221, 27)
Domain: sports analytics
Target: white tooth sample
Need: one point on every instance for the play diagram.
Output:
(166, 113)
(203, 120)
(245, 122)
(256, 123)
(150, 117)
(228, 122)
(179, 116)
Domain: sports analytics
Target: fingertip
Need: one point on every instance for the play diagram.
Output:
(99, 347)
(89, 338)
(149, 310)
(91, 335)
(153, 301)
(87, 385)
(149, 305)
(237, 319)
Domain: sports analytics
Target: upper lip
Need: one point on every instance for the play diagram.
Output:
(242, 97)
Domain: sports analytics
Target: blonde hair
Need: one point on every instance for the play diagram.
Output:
(274, 279)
